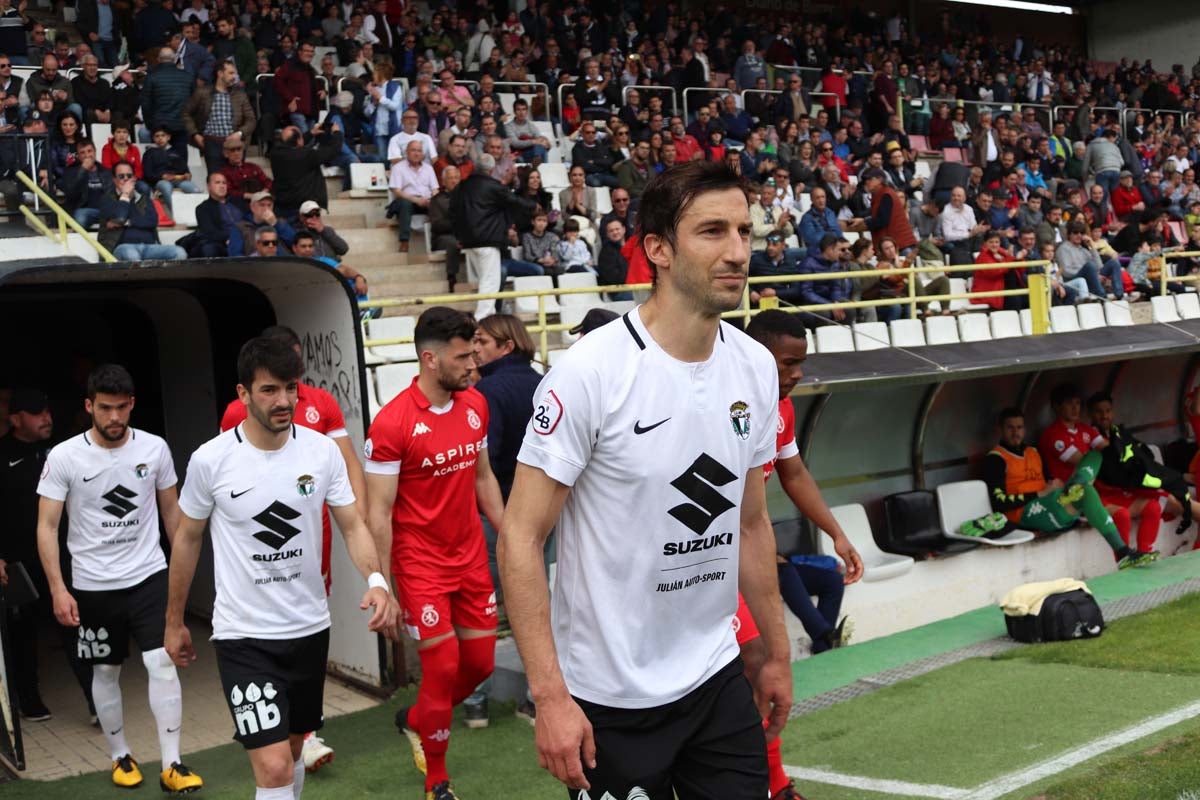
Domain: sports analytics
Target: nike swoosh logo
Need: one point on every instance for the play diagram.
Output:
(14, 463)
(236, 495)
(639, 430)
(175, 729)
(114, 733)
(97, 475)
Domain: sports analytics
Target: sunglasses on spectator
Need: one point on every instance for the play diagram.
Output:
(269, 242)
(826, 149)
(620, 199)
(313, 214)
(124, 176)
(5, 66)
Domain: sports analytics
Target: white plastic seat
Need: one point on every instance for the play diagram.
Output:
(851, 236)
(1091, 316)
(373, 406)
(974, 328)
(102, 132)
(941, 330)
(183, 208)
(834, 339)
(922, 170)
(877, 565)
(1163, 309)
(555, 356)
(959, 286)
(578, 280)
(1063, 319)
(507, 99)
(392, 379)
(368, 176)
(966, 500)
(1117, 312)
(618, 307)
(1188, 304)
(394, 328)
(554, 176)
(804, 203)
(529, 283)
(1026, 322)
(1005, 324)
(571, 315)
(871, 336)
(603, 200)
(907, 333)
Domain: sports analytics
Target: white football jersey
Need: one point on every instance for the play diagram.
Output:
(264, 512)
(112, 508)
(656, 452)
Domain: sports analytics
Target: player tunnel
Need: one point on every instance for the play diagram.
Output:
(177, 326)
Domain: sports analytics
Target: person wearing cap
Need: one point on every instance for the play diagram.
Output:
(327, 243)
(215, 114)
(1127, 199)
(165, 93)
(593, 319)
(244, 177)
(778, 259)
(888, 217)
(1103, 160)
(129, 221)
(262, 213)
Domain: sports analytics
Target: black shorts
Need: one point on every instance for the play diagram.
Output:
(274, 687)
(708, 745)
(108, 618)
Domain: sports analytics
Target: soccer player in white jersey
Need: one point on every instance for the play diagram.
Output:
(262, 485)
(114, 482)
(645, 452)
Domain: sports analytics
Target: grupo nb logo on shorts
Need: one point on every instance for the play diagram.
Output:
(636, 793)
(253, 710)
(93, 643)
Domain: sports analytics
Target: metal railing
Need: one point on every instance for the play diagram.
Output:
(65, 220)
(1165, 279)
(283, 108)
(1038, 291)
(837, 102)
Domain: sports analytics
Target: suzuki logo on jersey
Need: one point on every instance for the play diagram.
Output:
(119, 505)
(141, 470)
(92, 644)
(421, 428)
(275, 518)
(698, 484)
(253, 710)
(473, 419)
(739, 416)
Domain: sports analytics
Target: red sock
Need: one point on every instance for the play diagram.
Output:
(476, 660)
(1121, 520)
(431, 716)
(778, 778)
(1148, 526)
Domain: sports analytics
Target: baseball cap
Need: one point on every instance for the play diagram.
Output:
(29, 400)
(308, 206)
(892, 145)
(263, 195)
(1126, 174)
(593, 319)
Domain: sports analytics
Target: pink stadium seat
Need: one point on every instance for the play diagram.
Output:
(953, 155)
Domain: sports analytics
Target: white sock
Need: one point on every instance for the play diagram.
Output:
(297, 778)
(106, 693)
(166, 703)
(278, 793)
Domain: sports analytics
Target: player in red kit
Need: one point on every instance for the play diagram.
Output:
(783, 335)
(428, 478)
(317, 410)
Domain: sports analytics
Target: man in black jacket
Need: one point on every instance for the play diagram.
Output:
(10, 94)
(129, 221)
(214, 218)
(84, 183)
(481, 213)
(26, 155)
(297, 167)
(100, 29)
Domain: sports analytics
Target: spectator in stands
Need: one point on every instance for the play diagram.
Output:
(37, 49)
(1030, 215)
(397, 145)
(1052, 231)
(216, 217)
(47, 79)
(766, 218)
(505, 170)
(480, 214)
(1097, 211)
(926, 222)
(623, 211)
(595, 93)
(635, 172)
(297, 165)
(296, 82)
(243, 177)
(129, 222)
(594, 158)
(892, 286)
(1017, 487)
(120, 147)
(13, 24)
(1103, 161)
(84, 184)
(164, 170)
(990, 280)
(827, 258)
(1035, 181)
(66, 137)
(152, 26)
(92, 93)
(262, 214)
(756, 161)
(214, 114)
(10, 96)
(384, 105)
(441, 229)
(413, 184)
(776, 259)
(230, 45)
(749, 66)
(456, 156)
(888, 217)
(611, 267)
(32, 160)
(523, 135)
(193, 57)
(326, 242)
(266, 243)
(959, 228)
(574, 254)
(736, 121)
(899, 173)
(164, 95)
(1077, 258)
(529, 186)
(539, 245)
(578, 199)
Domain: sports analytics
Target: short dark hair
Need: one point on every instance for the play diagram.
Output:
(120, 164)
(773, 324)
(1008, 413)
(991, 234)
(283, 333)
(1026, 230)
(571, 225)
(109, 379)
(304, 235)
(828, 241)
(1097, 398)
(520, 102)
(440, 324)
(271, 354)
(671, 193)
(1064, 392)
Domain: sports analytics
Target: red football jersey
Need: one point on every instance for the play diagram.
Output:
(435, 520)
(315, 409)
(1059, 442)
(785, 439)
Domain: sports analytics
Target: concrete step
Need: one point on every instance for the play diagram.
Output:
(403, 272)
(371, 240)
(373, 209)
(344, 222)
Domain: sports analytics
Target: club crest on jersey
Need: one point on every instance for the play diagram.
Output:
(779, 426)
(312, 416)
(368, 448)
(141, 470)
(473, 419)
(306, 485)
(429, 615)
(739, 416)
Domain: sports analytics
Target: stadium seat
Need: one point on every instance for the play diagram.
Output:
(506, 101)
(578, 280)
(1163, 309)
(372, 400)
(394, 328)
(1117, 312)
(619, 306)
(1063, 319)
(368, 176)
(101, 133)
(804, 203)
(912, 527)
(391, 379)
(1005, 324)
(808, 340)
(953, 155)
(851, 236)
(961, 501)
(554, 356)
(183, 208)
(959, 286)
(974, 328)
(1026, 322)
(877, 565)
(1091, 316)
(529, 305)
(571, 315)
(554, 176)
(907, 333)
(834, 339)
(603, 200)
(1188, 304)
(922, 169)
(941, 330)
(871, 336)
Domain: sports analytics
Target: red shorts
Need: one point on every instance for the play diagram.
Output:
(743, 623)
(437, 605)
(1124, 498)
